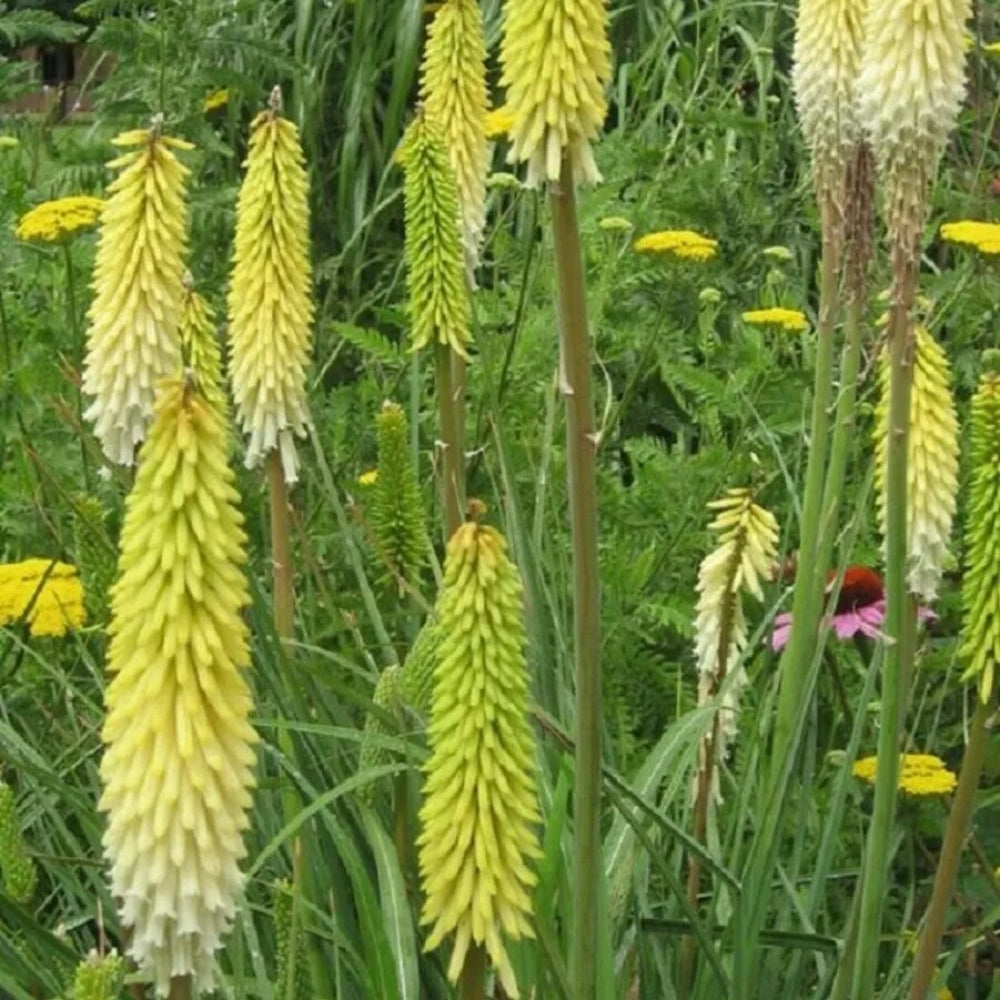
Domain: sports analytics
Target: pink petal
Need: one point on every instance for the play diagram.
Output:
(782, 629)
(847, 623)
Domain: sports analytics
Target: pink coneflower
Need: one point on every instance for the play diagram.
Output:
(860, 607)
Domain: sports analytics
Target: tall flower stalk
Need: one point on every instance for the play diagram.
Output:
(745, 554)
(827, 54)
(980, 647)
(909, 90)
(132, 338)
(439, 294)
(480, 813)
(270, 323)
(177, 769)
(556, 64)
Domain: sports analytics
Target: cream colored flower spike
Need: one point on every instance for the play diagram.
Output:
(178, 765)
(270, 294)
(133, 338)
(910, 88)
(827, 57)
(556, 64)
(453, 89)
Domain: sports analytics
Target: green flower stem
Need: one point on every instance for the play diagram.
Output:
(472, 982)
(449, 422)
(281, 557)
(180, 988)
(959, 818)
(581, 448)
(807, 597)
(78, 350)
(899, 650)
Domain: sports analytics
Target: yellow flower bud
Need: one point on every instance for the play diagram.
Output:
(200, 343)
(270, 293)
(177, 768)
(132, 341)
(453, 89)
(556, 63)
(480, 807)
(932, 463)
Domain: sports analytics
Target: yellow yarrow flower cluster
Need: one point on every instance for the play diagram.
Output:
(200, 343)
(746, 549)
(51, 590)
(453, 89)
(179, 749)
(909, 89)
(439, 295)
(919, 774)
(498, 122)
(270, 293)
(556, 61)
(53, 221)
(984, 236)
(932, 463)
(215, 100)
(827, 54)
(792, 320)
(480, 809)
(980, 645)
(683, 243)
(132, 341)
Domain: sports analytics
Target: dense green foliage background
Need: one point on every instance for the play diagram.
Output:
(691, 401)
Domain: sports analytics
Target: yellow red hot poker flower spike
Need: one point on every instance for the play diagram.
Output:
(132, 340)
(179, 749)
(480, 810)
(270, 293)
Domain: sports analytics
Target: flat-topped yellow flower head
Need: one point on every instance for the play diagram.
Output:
(53, 221)
(453, 89)
(827, 55)
(45, 593)
(133, 340)
(179, 749)
(480, 811)
(556, 64)
(270, 293)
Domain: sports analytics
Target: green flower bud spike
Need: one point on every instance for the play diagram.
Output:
(480, 809)
(435, 273)
(387, 698)
(99, 978)
(981, 584)
(19, 872)
(397, 510)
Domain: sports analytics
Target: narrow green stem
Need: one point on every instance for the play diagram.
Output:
(807, 597)
(951, 853)
(452, 479)
(5, 335)
(78, 352)
(180, 988)
(281, 556)
(472, 982)
(581, 448)
(898, 650)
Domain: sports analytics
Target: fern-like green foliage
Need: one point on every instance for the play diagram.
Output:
(98, 978)
(292, 982)
(435, 261)
(397, 510)
(19, 872)
(386, 699)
